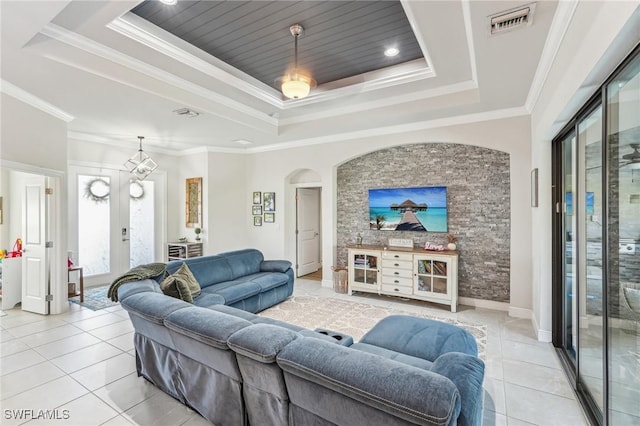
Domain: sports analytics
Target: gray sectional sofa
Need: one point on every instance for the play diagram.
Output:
(241, 278)
(236, 368)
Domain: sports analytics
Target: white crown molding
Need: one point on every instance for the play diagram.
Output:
(401, 128)
(30, 99)
(169, 45)
(559, 26)
(142, 31)
(368, 133)
(373, 80)
(78, 41)
(411, 17)
(468, 29)
(389, 101)
(120, 141)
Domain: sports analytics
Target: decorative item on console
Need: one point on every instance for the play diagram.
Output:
(433, 247)
(452, 242)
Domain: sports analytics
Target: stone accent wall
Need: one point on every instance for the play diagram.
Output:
(478, 198)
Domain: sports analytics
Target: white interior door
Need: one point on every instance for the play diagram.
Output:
(308, 232)
(35, 262)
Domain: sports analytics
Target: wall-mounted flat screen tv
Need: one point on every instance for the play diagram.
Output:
(408, 209)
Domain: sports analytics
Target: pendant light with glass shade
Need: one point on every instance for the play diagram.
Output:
(140, 165)
(296, 83)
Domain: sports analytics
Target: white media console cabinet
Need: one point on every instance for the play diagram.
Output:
(410, 273)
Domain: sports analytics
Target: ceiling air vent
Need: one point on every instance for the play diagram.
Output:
(186, 112)
(512, 19)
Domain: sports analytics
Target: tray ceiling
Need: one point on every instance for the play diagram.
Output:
(114, 75)
(341, 39)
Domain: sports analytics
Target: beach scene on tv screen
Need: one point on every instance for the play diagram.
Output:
(408, 209)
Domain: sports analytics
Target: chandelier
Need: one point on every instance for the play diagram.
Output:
(140, 165)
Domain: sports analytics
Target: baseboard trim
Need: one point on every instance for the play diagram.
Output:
(481, 303)
(327, 283)
(520, 313)
(543, 335)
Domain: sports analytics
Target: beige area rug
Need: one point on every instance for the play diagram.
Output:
(353, 318)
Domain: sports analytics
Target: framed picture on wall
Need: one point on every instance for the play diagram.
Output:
(269, 217)
(257, 221)
(193, 197)
(257, 210)
(269, 201)
(257, 198)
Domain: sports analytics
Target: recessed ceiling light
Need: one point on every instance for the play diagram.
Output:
(243, 142)
(169, 2)
(392, 51)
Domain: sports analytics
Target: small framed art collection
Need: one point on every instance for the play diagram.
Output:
(263, 208)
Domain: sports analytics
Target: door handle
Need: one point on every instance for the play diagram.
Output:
(315, 234)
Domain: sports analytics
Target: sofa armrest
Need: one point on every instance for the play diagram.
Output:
(467, 373)
(412, 394)
(275, 266)
(420, 337)
(261, 342)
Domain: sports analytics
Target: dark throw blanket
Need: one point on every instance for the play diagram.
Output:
(142, 272)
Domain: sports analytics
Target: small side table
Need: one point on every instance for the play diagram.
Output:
(81, 281)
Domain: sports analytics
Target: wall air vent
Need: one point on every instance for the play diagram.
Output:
(512, 19)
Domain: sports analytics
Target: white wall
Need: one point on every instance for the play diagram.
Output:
(596, 41)
(229, 203)
(36, 142)
(268, 171)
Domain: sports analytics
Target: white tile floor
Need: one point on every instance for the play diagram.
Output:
(80, 365)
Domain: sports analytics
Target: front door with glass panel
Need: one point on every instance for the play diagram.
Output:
(118, 222)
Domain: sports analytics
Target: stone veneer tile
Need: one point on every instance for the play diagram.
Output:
(478, 198)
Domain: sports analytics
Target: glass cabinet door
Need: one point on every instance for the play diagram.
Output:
(431, 277)
(365, 269)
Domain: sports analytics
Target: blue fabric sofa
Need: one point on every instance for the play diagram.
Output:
(237, 368)
(241, 278)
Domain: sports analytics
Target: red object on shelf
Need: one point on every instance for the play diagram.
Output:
(17, 249)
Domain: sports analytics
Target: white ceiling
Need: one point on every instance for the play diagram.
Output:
(114, 76)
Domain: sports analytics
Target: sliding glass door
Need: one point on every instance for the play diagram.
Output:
(597, 249)
(623, 146)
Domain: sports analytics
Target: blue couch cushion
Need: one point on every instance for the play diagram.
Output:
(208, 270)
(232, 291)
(204, 325)
(261, 342)
(275, 266)
(207, 299)
(415, 395)
(467, 373)
(153, 307)
(405, 359)
(127, 289)
(243, 262)
(420, 337)
(266, 280)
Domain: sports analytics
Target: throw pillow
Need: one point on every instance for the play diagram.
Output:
(182, 284)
